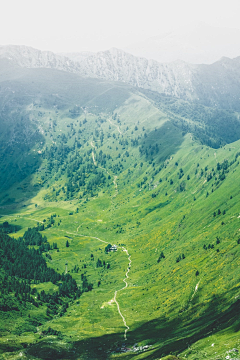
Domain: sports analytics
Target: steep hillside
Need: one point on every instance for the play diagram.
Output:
(129, 204)
(31, 102)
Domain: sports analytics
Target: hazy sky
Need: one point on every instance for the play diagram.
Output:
(93, 25)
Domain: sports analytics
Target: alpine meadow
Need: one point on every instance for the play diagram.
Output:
(119, 207)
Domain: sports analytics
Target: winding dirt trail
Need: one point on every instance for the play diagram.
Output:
(124, 280)
(115, 294)
(93, 157)
(118, 129)
(66, 270)
(115, 184)
(123, 249)
(195, 290)
(80, 226)
(87, 236)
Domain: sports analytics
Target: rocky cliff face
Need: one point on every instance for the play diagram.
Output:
(116, 65)
(217, 84)
(25, 56)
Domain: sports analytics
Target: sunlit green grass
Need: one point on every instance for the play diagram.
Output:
(161, 304)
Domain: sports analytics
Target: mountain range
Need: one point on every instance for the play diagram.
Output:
(216, 85)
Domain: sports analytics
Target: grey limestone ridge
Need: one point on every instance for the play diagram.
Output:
(25, 56)
(217, 84)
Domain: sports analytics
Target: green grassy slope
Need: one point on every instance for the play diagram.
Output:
(131, 177)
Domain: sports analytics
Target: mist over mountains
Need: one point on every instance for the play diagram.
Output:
(197, 43)
(216, 84)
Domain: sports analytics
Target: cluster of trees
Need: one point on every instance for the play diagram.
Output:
(18, 261)
(219, 212)
(51, 331)
(102, 158)
(107, 248)
(20, 268)
(33, 237)
(180, 257)
(75, 269)
(210, 246)
(86, 286)
(17, 136)
(180, 173)
(27, 263)
(117, 168)
(83, 177)
(101, 263)
(15, 293)
(7, 228)
(150, 150)
(218, 174)
(143, 182)
(124, 142)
